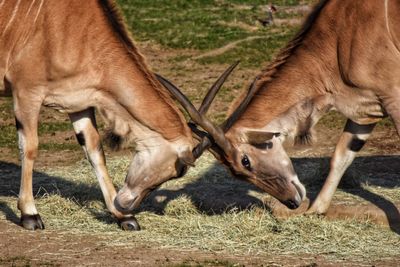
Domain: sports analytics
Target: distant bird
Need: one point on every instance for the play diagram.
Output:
(270, 18)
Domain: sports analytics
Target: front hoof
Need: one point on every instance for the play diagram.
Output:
(129, 224)
(315, 211)
(32, 222)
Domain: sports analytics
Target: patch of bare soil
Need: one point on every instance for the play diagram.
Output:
(45, 159)
(301, 9)
(290, 22)
(380, 211)
(227, 47)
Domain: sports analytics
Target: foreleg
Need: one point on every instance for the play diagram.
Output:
(85, 128)
(26, 117)
(351, 141)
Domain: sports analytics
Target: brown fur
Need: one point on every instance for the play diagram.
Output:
(268, 74)
(116, 20)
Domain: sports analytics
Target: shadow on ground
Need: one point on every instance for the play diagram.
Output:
(378, 171)
(44, 184)
(216, 192)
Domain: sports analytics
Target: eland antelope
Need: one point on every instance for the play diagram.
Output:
(77, 56)
(345, 57)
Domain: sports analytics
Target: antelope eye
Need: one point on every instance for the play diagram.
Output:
(246, 163)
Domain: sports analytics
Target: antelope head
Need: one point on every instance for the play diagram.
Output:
(156, 164)
(255, 156)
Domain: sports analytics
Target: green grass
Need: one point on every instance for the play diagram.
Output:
(44, 128)
(51, 146)
(206, 25)
(181, 24)
(195, 24)
(6, 108)
(9, 136)
(335, 120)
(52, 127)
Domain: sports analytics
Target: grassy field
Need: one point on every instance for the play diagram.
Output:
(207, 211)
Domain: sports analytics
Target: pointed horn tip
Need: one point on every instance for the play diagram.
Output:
(234, 65)
(215, 131)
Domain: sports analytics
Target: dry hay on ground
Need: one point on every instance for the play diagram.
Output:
(206, 211)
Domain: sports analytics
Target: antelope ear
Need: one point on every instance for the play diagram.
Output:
(259, 137)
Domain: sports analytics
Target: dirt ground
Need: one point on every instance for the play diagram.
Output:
(48, 248)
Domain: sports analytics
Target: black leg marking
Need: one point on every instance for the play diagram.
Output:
(18, 124)
(356, 144)
(81, 138)
(355, 128)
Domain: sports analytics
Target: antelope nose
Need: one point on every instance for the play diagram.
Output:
(124, 201)
(293, 203)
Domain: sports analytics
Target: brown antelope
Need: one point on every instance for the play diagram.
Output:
(345, 57)
(75, 56)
